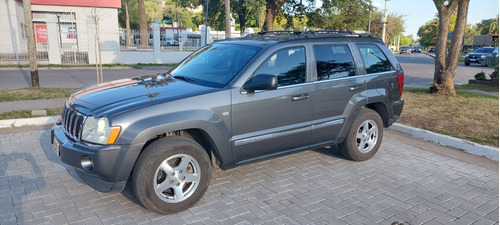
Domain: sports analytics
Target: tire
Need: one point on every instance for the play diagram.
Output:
(184, 184)
(364, 137)
(467, 64)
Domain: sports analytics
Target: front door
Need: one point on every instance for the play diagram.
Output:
(266, 122)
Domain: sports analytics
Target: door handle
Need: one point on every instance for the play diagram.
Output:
(357, 87)
(300, 97)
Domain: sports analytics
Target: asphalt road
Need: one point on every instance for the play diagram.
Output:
(418, 67)
(419, 70)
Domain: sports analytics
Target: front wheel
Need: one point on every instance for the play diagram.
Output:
(171, 175)
(364, 137)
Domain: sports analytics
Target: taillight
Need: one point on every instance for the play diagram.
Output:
(401, 81)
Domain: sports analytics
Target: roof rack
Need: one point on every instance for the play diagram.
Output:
(305, 34)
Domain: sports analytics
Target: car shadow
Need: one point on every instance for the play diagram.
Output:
(20, 183)
(330, 151)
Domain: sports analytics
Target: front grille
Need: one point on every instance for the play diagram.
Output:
(72, 122)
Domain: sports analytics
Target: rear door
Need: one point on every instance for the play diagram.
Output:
(338, 89)
(266, 122)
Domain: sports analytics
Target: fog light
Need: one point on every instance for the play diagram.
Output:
(87, 163)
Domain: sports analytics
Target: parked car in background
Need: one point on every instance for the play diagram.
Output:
(480, 56)
(168, 41)
(432, 49)
(416, 49)
(405, 49)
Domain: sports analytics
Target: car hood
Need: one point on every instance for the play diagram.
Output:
(127, 94)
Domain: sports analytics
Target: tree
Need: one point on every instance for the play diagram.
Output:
(341, 15)
(446, 64)
(127, 24)
(133, 14)
(272, 8)
(404, 40)
(394, 27)
(494, 26)
(142, 23)
(31, 44)
(247, 12)
(484, 26)
(428, 33)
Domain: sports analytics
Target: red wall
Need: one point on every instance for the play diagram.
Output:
(85, 3)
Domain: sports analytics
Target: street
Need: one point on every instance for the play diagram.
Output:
(418, 68)
(408, 181)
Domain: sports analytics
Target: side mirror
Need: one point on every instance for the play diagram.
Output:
(261, 82)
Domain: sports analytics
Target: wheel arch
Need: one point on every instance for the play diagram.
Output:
(381, 109)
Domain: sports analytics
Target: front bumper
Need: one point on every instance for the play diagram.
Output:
(477, 60)
(105, 168)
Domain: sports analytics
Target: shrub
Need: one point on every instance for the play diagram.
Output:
(493, 62)
(480, 76)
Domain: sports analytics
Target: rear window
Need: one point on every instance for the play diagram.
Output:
(374, 59)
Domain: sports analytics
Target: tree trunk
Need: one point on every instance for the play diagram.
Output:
(28, 22)
(272, 7)
(127, 25)
(243, 20)
(446, 63)
(142, 23)
(227, 9)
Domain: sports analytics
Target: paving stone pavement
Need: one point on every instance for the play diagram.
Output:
(401, 183)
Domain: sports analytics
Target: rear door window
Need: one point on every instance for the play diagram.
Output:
(374, 59)
(334, 61)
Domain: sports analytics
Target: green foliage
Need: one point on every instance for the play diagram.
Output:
(341, 15)
(177, 14)
(428, 33)
(133, 12)
(480, 76)
(483, 27)
(405, 40)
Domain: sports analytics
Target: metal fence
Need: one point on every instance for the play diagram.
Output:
(14, 47)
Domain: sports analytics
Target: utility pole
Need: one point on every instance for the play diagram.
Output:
(28, 22)
(206, 23)
(227, 8)
(384, 21)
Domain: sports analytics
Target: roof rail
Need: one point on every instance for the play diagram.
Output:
(305, 34)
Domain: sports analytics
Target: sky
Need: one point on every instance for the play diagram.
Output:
(417, 12)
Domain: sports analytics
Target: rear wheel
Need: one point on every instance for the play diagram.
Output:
(171, 175)
(364, 137)
(467, 64)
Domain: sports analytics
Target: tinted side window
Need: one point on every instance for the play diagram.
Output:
(334, 62)
(289, 65)
(374, 60)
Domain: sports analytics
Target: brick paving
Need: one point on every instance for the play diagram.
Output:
(402, 183)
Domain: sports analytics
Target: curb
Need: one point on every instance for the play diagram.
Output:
(37, 121)
(466, 146)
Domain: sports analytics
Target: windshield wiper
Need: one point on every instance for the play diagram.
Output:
(190, 80)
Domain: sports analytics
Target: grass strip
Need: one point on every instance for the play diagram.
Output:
(469, 116)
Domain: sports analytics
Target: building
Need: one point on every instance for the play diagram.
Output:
(57, 23)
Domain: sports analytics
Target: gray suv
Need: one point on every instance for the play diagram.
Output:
(231, 103)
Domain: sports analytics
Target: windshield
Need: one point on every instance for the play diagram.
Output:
(484, 50)
(215, 65)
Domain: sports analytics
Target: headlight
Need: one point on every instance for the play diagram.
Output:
(483, 57)
(466, 55)
(97, 130)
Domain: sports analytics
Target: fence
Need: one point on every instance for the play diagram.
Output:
(62, 41)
